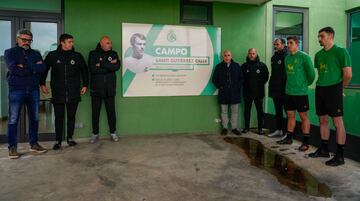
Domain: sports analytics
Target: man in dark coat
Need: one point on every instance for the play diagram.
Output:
(25, 66)
(103, 63)
(69, 80)
(277, 84)
(228, 79)
(256, 75)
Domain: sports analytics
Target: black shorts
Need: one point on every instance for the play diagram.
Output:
(329, 100)
(299, 103)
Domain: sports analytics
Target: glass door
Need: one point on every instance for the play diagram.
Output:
(46, 28)
(45, 36)
(6, 27)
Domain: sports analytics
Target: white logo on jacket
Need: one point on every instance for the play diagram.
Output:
(72, 61)
(257, 71)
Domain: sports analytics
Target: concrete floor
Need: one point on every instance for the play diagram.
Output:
(157, 168)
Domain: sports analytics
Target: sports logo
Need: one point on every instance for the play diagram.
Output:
(171, 36)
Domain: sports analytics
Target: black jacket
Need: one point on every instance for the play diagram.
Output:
(256, 75)
(228, 80)
(68, 74)
(278, 74)
(103, 78)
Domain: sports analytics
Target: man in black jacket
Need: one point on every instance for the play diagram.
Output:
(277, 84)
(256, 75)
(228, 79)
(103, 63)
(69, 80)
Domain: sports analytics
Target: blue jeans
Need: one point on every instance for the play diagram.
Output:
(17, 98)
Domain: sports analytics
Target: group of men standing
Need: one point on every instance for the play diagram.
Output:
(292, 72)
(69, 80)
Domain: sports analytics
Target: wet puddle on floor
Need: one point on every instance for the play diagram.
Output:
(282, 168)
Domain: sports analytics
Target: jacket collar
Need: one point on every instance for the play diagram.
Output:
(99, 49)
(59, 49)
(18, 47)
(232, 61)
(281, 52)
(257, 60)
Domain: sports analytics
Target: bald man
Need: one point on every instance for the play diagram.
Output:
(103, 63)
(256, 75)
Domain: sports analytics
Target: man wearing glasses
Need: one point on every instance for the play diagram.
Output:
(25, 66)
(228, 79)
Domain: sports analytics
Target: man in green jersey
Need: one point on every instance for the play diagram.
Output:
(334, 67)
(300, 74)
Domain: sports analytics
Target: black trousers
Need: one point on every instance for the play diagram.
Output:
(59, 109)
(259, 109)
(279, 103)
(110, 110)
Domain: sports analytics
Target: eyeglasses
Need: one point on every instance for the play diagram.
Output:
(25, 40)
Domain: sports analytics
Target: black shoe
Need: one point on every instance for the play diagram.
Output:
(71, 142)
(335, 161)
(235, 131)
(224, 131)
(245, 130)
(260, 132)
(303, 147)
(57, 146)
(320, 153)
(285, 141)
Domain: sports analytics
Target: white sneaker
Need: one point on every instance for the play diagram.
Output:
(114, 137)
(283, 135)
(94, 138)
(277, 133)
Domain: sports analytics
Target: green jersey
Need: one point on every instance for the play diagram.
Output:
(330, 64)
(300, 73)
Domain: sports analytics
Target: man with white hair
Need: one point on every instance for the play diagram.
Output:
(228, 79)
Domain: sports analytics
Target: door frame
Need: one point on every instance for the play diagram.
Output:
(18, 19)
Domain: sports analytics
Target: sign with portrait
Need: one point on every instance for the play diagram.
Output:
(168, 60)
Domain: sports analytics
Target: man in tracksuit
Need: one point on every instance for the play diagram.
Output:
(300, 74)
(69, 80)
(277, 84)
(25, 66)
(256, 75)
(228, 79)
(103, 63)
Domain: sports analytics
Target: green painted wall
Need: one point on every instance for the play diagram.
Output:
(350, 4)
(243, 26)
(33, 5)
(322, 13)
(89, 20)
